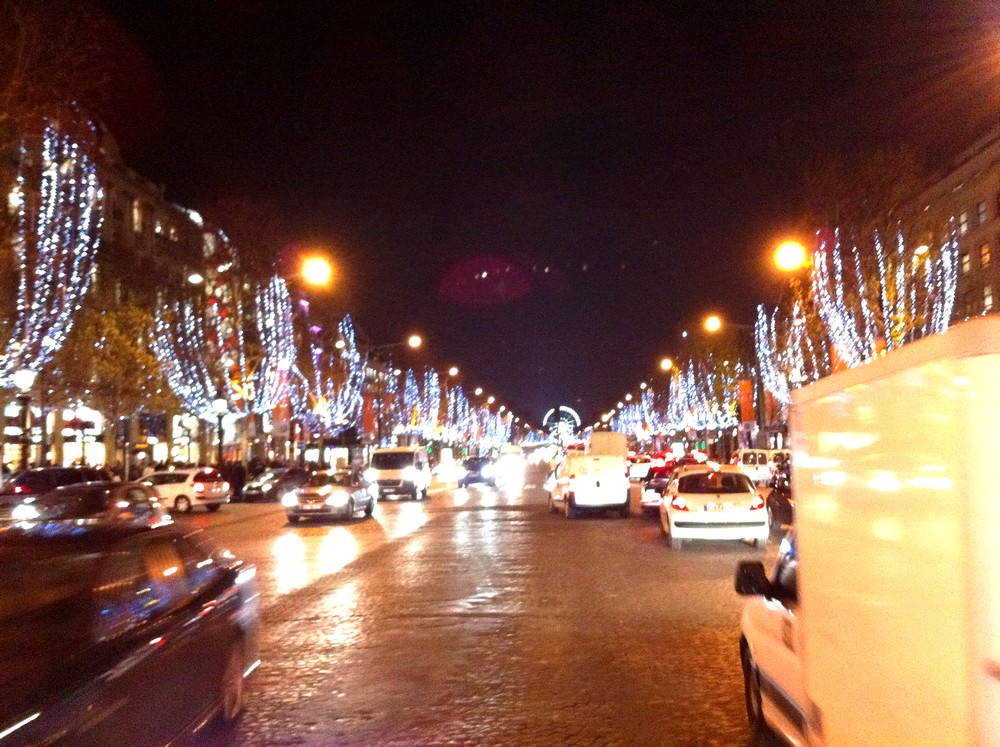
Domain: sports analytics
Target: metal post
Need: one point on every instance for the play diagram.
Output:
(218, 455)
(25, 400)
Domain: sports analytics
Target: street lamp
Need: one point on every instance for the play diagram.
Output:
(24, 379)
(221, 407)
(317, 271)
(414, 341)
(714, 324)
(790, 256)
(666, 364)
(453, 371)
(479, 391)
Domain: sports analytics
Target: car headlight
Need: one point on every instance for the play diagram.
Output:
(487, 471)
(24, 512)
(461, 472)
(411, 474)
(289, 500)
(337, 498)
(371, 474)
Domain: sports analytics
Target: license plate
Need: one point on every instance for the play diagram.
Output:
(718, 506)
(310, 507)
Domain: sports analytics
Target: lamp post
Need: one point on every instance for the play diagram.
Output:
(221, 407)
(24, 379)
(715, 324)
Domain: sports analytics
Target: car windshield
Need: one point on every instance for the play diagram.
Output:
(392, 459)
(715, 482)
(319, 479)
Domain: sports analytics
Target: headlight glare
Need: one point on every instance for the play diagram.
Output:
(289, 500)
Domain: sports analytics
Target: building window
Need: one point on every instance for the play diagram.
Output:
(158, 227)
(981, 212)
(987, 299)
(963, 223)
(984, 255)
(136, 216)
(966, 263)
(172, 233)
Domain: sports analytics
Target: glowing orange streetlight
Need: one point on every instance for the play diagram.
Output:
(415, 341)
(317, 271)
(666, 364)
(453, 371)
(790, 256)
(713, 323)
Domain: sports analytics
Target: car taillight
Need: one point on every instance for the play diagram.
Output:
(679, 503)
(199, 487)
(21, 489)
(757, 502)
(225, 485)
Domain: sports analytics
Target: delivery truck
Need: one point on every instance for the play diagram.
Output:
(881, 623)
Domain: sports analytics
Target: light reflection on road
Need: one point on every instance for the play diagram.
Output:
(408, 519)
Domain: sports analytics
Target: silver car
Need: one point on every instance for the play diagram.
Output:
(330, 494)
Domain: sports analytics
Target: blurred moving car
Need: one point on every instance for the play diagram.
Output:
(652, 494)
(115, 634)
(43, 479)
(780, 504)
(400, 471)
(272, 484)
(638, 466)
(709, 503)
(92, 501)
(770, 646)
(182, 489)
(330, 493)
(482, 470)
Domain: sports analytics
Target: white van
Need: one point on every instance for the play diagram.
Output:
(754, 463)
(592, 481)
(400, 471)
(881, 622)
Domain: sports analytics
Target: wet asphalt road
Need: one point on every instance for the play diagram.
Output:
(479, 618)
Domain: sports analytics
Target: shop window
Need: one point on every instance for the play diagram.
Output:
(984, 255)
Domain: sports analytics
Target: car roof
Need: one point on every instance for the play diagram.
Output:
(182, 471)
(85, 537)
(690, 469)
(398, 450)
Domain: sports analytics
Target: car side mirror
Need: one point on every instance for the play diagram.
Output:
(751, 580)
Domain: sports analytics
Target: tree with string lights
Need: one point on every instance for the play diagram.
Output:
(59, 207)
(328, 395)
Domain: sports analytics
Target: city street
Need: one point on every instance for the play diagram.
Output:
(477, 617)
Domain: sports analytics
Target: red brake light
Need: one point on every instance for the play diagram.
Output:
(21, 489)
(199, 487)
(757, 502)
(572, 477)
(679, 503)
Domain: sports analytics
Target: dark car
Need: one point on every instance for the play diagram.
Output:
(780, 504)
(478, 470)
(115, 634)
(272, 484)
(90, 501)
(43, 479)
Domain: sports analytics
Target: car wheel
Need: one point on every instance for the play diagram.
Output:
(626, 508)
(572, 512)
(351, 509)
(232, 696)
(415, 495)
(423, 494)
(182, 504)
(664, 528)
(213, 506)
(293, 519)
(552, 505)
(751, 695)
(771, 523)
(370, 509)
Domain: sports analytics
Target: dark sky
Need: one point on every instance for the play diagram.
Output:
(646, 154)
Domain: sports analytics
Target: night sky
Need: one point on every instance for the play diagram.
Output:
(614, 169)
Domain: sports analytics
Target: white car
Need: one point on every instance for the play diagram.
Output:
(330, 493)
(180, 490)
(771, 646)
(712, 503)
